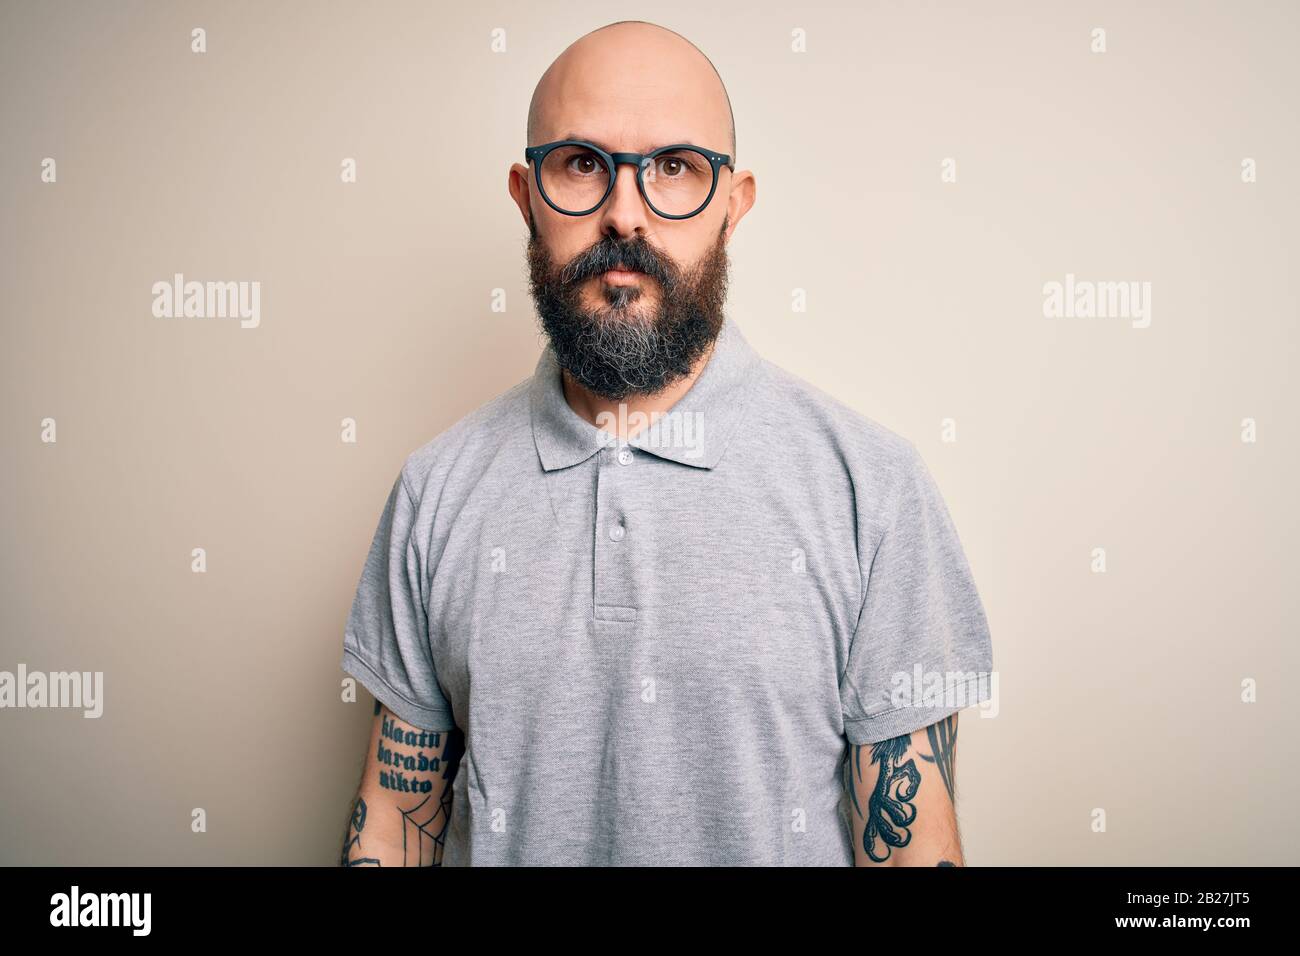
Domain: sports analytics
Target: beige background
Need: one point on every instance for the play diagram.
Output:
(1118, 691)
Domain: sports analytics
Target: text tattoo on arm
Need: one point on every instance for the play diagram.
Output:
(424, 825)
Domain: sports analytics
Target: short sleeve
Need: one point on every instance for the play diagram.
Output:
(386, 642)
(921, 649)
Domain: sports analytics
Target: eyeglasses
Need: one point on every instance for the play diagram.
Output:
(575, 177)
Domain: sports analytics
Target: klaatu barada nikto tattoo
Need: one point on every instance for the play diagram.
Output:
(424, 825)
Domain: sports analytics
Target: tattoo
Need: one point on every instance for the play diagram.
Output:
(890, 810)
(353, 837)
(889, 806)
(424, 826)
(431, 829)
(943, 745)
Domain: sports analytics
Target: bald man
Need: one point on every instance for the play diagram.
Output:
(661, 603)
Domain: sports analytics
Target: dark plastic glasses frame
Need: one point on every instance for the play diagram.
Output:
(613, 160)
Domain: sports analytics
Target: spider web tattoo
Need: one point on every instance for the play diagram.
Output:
(425, 826)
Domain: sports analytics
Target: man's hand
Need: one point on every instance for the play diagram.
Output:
(400, 813)
(902, 799)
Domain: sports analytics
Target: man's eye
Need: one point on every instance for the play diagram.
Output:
(676, 167)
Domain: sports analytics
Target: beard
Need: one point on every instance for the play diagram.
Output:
(627, 346)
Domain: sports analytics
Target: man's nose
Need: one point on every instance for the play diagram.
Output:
(624, 208)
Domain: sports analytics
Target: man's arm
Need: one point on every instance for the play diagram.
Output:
(400, 812)
(902, 799)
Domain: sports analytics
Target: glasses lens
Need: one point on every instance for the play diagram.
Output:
(574, 178)
(678, 182)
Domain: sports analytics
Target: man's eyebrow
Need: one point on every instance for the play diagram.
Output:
(607, 148)
(587, 139)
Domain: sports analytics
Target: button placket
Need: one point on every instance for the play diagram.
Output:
(613, 596)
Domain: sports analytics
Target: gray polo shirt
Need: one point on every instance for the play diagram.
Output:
(659, 652)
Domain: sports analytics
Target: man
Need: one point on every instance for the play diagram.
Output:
(662, 602)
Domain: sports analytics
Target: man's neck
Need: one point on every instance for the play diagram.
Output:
(638, 411)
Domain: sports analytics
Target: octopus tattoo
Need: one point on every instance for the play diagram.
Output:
(889, 808)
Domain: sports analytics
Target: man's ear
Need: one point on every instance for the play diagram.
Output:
(521, 192)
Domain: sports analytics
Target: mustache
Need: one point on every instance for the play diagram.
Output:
(606, 255)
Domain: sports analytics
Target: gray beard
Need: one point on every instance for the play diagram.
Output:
(616, 355)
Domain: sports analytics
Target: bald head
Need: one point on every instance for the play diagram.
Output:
(634, 86)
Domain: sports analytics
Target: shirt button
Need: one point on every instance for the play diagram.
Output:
(616, 533)
(625, 456)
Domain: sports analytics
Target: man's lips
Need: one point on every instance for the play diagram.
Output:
(622, 276)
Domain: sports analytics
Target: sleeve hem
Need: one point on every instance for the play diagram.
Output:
(911, 718)
(417, 715)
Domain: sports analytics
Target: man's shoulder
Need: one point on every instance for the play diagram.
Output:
(834, 445)
(463, 449)
(809, 415)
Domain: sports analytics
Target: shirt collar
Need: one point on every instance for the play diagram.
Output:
(695, 431)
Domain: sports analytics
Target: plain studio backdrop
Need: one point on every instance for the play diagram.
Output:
(924, 171)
